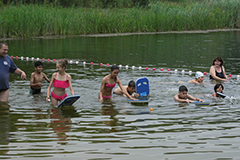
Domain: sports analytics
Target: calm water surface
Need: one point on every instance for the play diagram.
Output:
(33, 129)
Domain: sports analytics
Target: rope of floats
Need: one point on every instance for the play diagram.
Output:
(107, 65)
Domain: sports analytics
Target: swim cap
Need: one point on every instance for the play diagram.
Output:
(199, 74)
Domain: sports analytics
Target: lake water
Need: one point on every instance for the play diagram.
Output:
(33, 129)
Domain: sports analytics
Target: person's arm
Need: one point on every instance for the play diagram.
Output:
(195, 99)
(70, 84)
(124, 90)
(46, 78)
(214, 95)
(213, 74)
(225, 75)
(32, 84)
(49, 87)
(101, 90)
(20, 72)
(182, 100)
(193, 81)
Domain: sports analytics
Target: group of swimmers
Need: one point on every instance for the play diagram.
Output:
(217, 73)
(62, 80)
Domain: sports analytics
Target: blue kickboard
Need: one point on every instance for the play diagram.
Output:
(198, 103)
(142, 87)
(68, 101)
(223, 95)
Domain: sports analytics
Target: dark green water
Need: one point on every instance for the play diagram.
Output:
(33, 129)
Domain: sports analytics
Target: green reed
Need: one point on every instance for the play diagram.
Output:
(36, 20)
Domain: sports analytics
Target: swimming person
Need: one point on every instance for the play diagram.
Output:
(36, 78)
(60, 81)
(217, 70)
(199, 78)
(7, 65)
(183, 96)
(130, 89)
(109, 82)
(218, 88)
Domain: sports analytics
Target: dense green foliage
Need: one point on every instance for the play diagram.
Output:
(83, 3)
(43, 20)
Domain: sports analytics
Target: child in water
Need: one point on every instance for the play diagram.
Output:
(36, 78)
(183, 96)
(199, 78)
(218, 88)
(131, 88)
(60, 81)
(109, 82)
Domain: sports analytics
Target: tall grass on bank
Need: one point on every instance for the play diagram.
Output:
(36, 20)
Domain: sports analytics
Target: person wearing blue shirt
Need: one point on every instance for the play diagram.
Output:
(7, 65)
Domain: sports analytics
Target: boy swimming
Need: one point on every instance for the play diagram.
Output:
(199, 78)
(130, 89)
(183, 96)
(36, 78)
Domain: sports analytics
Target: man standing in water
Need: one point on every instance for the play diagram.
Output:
(7, 65)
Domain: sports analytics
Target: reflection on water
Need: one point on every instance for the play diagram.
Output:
(32, 128)
(4, 128)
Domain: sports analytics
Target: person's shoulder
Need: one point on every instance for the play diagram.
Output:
(33, 73)
(191, 81)
(68, 76)
(176, 96)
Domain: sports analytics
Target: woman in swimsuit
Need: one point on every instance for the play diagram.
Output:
(109, 82)
(60, 81)
(217, 71)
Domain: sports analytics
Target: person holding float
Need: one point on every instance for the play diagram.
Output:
(217, 70)
(60, 81)
(109, 82)
(183, 96)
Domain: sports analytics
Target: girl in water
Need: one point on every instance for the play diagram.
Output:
(60, 81)
(109, 82)
(218, 88)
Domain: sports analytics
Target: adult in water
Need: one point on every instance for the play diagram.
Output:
(217, 70)
(109, 82)
(7, 65)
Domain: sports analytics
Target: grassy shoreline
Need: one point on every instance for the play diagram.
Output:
(37, 21)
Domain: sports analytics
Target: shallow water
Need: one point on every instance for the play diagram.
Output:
(32, 128)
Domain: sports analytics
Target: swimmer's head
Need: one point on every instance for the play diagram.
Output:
(183, 92)
(38, 66)
(218, 88)
(63, 64)
(114, 71)
(199, 74)
(132, 86)
(114, 66)
(218, 59)
(38, 63)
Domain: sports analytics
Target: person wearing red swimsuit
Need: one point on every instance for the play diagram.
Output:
(60, 81)
(109, 82)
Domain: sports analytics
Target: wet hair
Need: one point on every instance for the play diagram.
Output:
(183, 88)
(114, 66)
(38, 63)
(132, 84)
(63, 63)
(219, 59)
(2, 43)
(217, 86)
